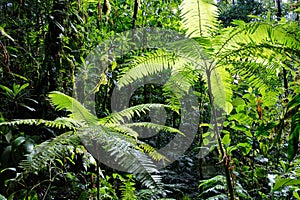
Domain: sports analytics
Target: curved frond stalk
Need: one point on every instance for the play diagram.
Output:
(78, 112)
(199, 17)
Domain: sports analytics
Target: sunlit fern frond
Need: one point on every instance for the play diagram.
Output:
(199, 17)
(173, 68)
(128, 113)
(78, 112)
(146, 65)
(254, 34)
(131, 130)
(256, 49)
(59, 123)
(185, 64)
(261, 74)
(156, 127)
(118, 141)
(222, 92)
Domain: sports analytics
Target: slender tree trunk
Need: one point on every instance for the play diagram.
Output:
(53, 47)
(135, 12)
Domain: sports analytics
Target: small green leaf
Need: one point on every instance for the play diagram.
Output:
(246, 148)
(18, 141)
(296, 195)
(241, 118)
(228, 108)
(206, 141)
(240, 108)
(226, 139)
(294, 102)
(281, 182)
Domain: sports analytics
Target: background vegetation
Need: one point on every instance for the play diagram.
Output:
(252, 46)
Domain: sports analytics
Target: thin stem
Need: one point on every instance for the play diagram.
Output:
(98, 180)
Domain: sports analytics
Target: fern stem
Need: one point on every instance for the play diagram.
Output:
(199, 11)
(98, 180)
(285, 83)
(225, 159)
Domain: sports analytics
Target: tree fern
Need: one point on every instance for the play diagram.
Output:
(117, 141)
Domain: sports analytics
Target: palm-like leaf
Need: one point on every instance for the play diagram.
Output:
(256, 34)
(78, 112)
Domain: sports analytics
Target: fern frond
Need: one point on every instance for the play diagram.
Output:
(156, 127)
(221, 88)
(198, 17)
(147, 65)
(58, 123)
(78, 112)
(151, 151)
(255, 33)
(127, 114)
(115, 150)
(123, 130)
(254, 72)
(48, 151)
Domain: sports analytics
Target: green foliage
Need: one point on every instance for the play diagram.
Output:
(250, 70)
(240, 11)
(114, 139)
(128, 186)
(213, 188)
(17, 97)
(293, 141)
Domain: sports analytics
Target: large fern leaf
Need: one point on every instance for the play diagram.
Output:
(119, 152)
(199, 17)
(47, 152)
(78, 112)
(254, 34)
(59, 123)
